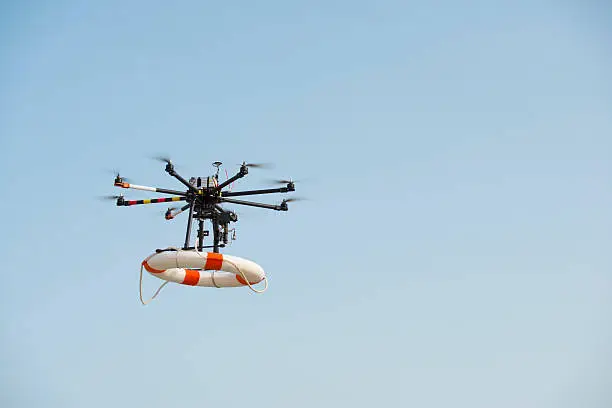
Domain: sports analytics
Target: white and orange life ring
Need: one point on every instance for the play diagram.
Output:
(209, 269)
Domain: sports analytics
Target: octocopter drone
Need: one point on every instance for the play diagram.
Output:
(203, 197)
(190, 265)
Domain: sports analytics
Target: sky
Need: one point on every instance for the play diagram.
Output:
(454, 249)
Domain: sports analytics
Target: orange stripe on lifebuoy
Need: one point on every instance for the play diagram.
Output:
(240, 279)
(192, 277)
(214, 261)
(148, 268)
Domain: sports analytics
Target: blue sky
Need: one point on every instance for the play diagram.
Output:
(455, 250)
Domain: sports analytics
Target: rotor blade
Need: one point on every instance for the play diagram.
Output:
(283, 181)
(164, 212)
(117, 173)
(260, 165)
(287, 181)
(293, 199)
(110, 197)
(163, 158)
(168, 209)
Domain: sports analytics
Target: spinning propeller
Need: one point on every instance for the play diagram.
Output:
(168, 214)
(293, 199)
(258, 165)
(118, 177)
(110, 197)
(286, 182)
(164, 159)
(282, 181)
(119, 199)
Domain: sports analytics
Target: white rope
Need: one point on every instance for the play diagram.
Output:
(212, 277)
(246, 280)
(156, 292)
(158, 289)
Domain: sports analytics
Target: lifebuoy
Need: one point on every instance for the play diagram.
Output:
(209, 269)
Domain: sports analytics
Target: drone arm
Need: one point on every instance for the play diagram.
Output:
(170, 215)
(149, 201)
(146, 188)
(253, 192)
(253, 204)
(244, 170)
(170, 170)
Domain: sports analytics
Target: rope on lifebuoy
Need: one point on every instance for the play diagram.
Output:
(158, 289)
(246, 280)
(156, 292)
(241, 273)
(212, 277)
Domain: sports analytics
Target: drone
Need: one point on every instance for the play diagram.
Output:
(203, 197)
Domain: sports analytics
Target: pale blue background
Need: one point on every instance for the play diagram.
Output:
(456, 251)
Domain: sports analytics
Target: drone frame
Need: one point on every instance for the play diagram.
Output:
(203, 202)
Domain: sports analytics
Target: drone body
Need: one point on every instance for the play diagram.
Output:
(203, 197)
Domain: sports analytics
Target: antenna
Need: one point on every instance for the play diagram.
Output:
(217, 164)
